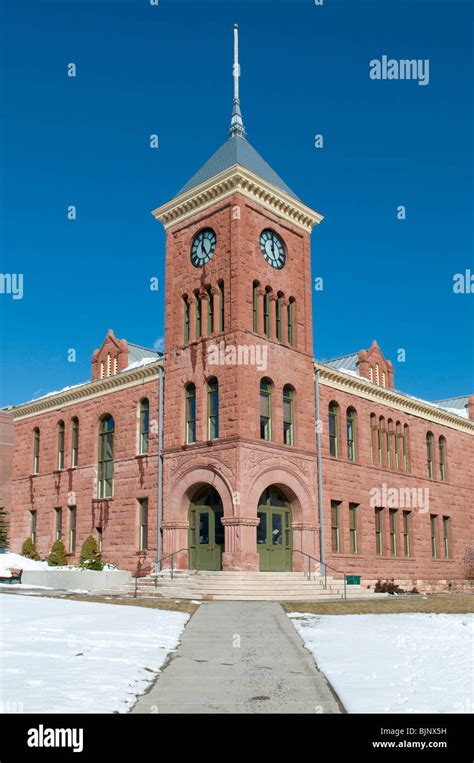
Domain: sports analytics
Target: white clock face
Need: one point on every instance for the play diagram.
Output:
(273, 248)
(203, 246)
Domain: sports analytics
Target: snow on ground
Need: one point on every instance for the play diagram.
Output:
(60, 656)
(12, 561)
(400, 663)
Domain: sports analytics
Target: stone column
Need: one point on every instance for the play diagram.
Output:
(175, 538)
(306, 539)
(240, 544)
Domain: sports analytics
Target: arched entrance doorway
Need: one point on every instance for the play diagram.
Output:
(274, 541)
(206, 531)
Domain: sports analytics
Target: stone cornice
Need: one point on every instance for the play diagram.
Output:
(330, 377)
(88, 391)
(237, 179)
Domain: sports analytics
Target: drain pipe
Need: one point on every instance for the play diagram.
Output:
(160, 468)
(320, 473)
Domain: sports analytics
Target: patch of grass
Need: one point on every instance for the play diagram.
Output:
(459, 604)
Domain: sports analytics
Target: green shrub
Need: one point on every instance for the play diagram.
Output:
(90, 558)
(3, 528)
(28, 549)
(57, 556)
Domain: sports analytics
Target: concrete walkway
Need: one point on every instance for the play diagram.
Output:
(240, 657)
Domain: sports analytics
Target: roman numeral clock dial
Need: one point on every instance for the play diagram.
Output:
(272, 248)
(203, 247)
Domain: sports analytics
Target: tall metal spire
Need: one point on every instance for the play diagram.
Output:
(236, 123)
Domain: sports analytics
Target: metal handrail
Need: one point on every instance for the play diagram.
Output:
(167, 556)
(325, 565)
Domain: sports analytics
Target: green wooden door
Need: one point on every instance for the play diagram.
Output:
(206, 532)
(274, 539)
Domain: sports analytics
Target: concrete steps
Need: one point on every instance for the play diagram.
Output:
(238, 586)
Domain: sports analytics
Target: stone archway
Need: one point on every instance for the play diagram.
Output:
(206, 531)
(274, 532)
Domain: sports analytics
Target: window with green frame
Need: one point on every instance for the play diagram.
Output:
(442, 458)
(210, 311)
(393, 518)
(288, 415)
(389, 442)
(429, 454)
(105, 483)
(373, 437)
(212, 409)
(279, 316)
(144, 427)
(266, 409)
(61, 432)
(291, 321)
(407, 533)
(198, 314)
(434, 535)
(380, 440)
(398, 438)
(190, 414)
(36, 450)
(266, 311)
(255, 289)
(351, 419)
(187, 319)
(336, 527)
(333, 419)
(354, 528)
(74, 441)
(220, 285)
(446, 534)
(379, 541)
(406, 447)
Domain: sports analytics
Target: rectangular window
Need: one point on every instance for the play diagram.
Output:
(266, 313)
(221, 306)
(393, 514)
(291, 321)
(61, 447)
(99, 539)
(72, 529)
(434, 535)
(143, 524)
(336, 526)
(190, 414)
(33, 517)
(279, 308)
(36, 448)
(446, 537)
(187, 320)
(74, 442)
(210, 312)
(407, 533)
(58, 522)
(198, 317)
(379, 544)
(380, 443)
(255, 308)
(354, 527)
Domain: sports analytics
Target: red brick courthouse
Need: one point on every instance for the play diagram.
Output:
(235, 447)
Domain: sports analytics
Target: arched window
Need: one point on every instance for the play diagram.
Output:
(398, 437)
(61, 429)
(288, 415)
(429, 454)
(36, 450)
(74, 441)
(212, 409)
(266, 311)
(333, 415)
(198, 314)
(291, 321)
(266, 409)
(406, 447)
(442, 458)
(220, 285)
(380, 440)
(106, 457)
(279, 316)
(255, 305)
(144, 426)
(210, 311)
(389, 443)
(190, 414)
(187, 319)
(351, 417)
(373, 436)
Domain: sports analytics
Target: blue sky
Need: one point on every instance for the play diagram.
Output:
(167, 69)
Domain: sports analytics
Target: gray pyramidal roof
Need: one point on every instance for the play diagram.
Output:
(237, 150)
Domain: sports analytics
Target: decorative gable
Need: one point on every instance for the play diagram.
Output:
(374, 367)
(111, 358)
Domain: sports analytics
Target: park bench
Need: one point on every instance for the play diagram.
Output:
(15, 577)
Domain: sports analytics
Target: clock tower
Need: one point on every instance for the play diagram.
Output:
(239, 450)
